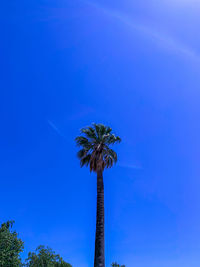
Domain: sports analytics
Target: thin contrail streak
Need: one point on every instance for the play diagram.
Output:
(54, 127)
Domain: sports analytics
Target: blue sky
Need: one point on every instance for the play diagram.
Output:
(134, 66)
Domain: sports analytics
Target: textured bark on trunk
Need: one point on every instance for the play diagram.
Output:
(99, 259)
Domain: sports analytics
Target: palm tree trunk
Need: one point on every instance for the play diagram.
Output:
(99, 259)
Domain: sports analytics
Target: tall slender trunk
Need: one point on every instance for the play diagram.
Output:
(99, 259)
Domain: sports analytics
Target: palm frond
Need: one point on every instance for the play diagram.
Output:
(108, 130)
(85, 160)
(109, 161)
(90, 133)
(112, 139)
(102, 130)
(81, 141)
(98, 128)
(110, 152)
(82, 153)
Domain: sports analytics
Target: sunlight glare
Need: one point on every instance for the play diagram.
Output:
(183, 2)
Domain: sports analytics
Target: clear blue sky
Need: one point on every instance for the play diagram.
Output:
(133, 66)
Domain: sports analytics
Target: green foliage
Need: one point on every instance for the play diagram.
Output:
(45, 257)
(95, 142)
(10, 246)
(114, 264)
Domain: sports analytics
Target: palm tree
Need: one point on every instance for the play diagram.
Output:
(95, 152)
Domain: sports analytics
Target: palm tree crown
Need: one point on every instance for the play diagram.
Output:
(96, 152)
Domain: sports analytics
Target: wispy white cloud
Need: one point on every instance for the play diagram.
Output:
(164, 40)
(130, 166)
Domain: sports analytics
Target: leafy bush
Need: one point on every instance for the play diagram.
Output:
(45, 257)
(10, 246)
